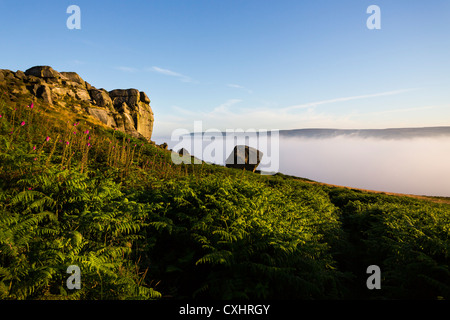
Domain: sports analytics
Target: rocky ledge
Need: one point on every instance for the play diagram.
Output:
(127, 110)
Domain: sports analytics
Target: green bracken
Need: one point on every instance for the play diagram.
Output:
(141, 227)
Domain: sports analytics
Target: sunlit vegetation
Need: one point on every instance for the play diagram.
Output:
(141, 227)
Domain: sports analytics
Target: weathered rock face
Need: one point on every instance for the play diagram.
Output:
(74, 77)
(101, 98)
(135, 109)
(127, 110)
(42, 72)
(104, 116)
(244, 157)
(45, 94)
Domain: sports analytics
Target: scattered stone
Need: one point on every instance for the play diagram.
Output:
(183, 152)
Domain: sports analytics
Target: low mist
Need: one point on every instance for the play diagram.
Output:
(417, 166)
(413, 166)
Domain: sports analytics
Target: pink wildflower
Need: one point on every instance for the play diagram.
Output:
(34, 148)
(67, 142)
(86, 132)
(48, 138)
(23, 123)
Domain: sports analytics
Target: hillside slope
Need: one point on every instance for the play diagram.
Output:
(74, 192)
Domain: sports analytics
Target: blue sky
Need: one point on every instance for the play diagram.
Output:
(249, 63)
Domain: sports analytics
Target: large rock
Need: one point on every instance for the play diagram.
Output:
(144, 120)
(144, 98)
(8, 75)
(126, 110)
(20, 75)
(130, 96)
(130, 125)
(43, 72)
(120, 125)
(244, 157)
(183, 152)
(74, 77)
(101, 98)
(82, 94)
(104, 116)
(61, 92)
(137, 113)
(45, 94)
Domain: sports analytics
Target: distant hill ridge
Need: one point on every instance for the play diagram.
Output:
(389, 133)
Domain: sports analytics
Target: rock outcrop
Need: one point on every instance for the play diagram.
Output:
(43, 72)
(126, 110)
(244, 157)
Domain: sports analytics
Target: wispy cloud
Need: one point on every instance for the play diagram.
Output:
(237, 86)
(224, 116)
(236, 113)
(224, 107)
(344, 99)
(171, 73)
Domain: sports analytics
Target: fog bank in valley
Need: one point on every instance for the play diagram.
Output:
(413, 166)
(419, 165)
